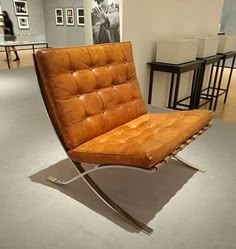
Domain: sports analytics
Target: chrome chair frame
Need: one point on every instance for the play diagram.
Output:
(84, 174)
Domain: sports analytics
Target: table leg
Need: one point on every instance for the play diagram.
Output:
(199, 83)
(150, 87)
(7, 57)
(219, 84)
(176, 91)
(230, 76)
(214, 85)
(33, 48)
(171, 90)
(192, 94)
(209, 83)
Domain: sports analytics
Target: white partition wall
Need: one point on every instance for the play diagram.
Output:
(144, 22)
(88, 35)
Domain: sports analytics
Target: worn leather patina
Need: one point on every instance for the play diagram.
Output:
(95, 103)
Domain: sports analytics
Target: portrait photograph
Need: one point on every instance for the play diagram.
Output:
(59, 16)
(69, 12)
(59, 20)
(70, 17)
(59, 12)
(80, 16)
(21, 7)
(1, 17)
(23, 22)
(105, 17)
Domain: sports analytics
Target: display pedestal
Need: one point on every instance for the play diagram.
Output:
(227, 43)
(207, 46)
(176, 51)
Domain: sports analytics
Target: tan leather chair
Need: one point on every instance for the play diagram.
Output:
(94, 102)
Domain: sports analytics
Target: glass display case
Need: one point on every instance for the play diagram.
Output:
(27, 41)
(25, 38)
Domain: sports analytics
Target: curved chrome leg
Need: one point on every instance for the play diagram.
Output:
(98, 167)
(188, 164)
(99, 192)
(105, 198)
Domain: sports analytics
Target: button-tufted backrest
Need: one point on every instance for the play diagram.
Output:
(89, 90)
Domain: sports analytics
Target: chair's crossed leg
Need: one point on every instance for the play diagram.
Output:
(189, 164)
(99, 192)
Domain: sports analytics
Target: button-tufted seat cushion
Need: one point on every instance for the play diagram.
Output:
(94, 101)
(144, 141)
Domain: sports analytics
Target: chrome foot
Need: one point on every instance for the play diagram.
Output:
(99, 192)
(188, 164)
(61, 181)
(105, 198)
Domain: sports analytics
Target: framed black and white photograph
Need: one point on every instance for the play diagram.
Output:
(1, 17)
(23, 22)
(59, 16)
(105, 28)
(80, 16)
(21, 7)
(70, 17)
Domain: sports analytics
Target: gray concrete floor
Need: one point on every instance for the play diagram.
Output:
(186, 208)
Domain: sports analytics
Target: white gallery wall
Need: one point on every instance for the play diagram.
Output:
(146, 22)
(88, 35)
(62, 36)
(35, 17)
(42, 22)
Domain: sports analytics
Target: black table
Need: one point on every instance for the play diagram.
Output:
(220, 91)
(215, 91)
(176, 70)
(205, 93)
(9, 44)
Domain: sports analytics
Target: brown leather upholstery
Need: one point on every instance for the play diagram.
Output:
(143, 141)
(94, 101)
(90, 90)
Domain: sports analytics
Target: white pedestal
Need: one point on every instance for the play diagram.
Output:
(176, 51)
(233, 41)
(207, 46)
(226, 43)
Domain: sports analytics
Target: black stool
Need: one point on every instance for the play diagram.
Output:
(176, 70)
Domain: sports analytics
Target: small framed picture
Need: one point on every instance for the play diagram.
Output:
(23, 22)
(59, 16)
(80, 16)
(70, 17)
(21, 7)
(1, 18)
(1, 21)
